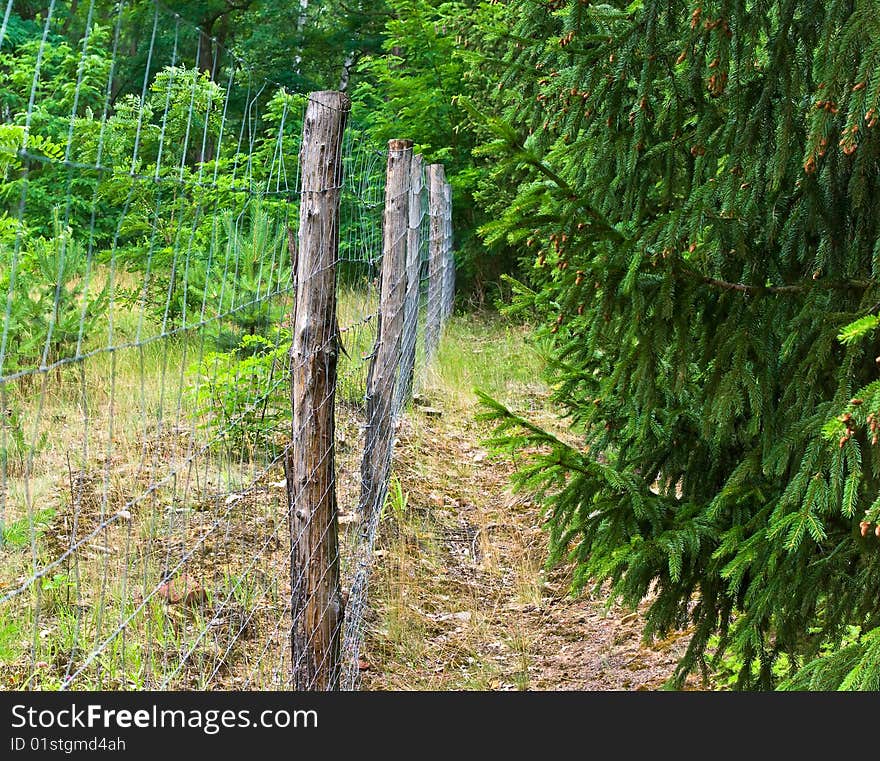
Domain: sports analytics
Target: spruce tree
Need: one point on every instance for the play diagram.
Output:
(693, 185)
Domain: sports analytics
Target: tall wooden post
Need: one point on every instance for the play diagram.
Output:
(448, 260)
(413, 265)
(384, 366)
(316, 601)
(436, 202)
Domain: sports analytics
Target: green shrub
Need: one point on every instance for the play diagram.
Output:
(242, 396)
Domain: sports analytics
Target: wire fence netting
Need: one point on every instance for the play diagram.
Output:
(151, 210)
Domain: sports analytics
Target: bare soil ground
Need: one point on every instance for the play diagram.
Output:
(460, 596)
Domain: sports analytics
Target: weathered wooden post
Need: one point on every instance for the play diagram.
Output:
(316, 602)
(448, 259)
(436, 202)
(413, 265)
(383, 372)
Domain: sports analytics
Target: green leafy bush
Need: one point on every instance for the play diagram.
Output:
(57, 301)
(242, 396)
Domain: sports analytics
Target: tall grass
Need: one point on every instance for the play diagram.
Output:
(95, 440)
(488, 352)
(413, 592)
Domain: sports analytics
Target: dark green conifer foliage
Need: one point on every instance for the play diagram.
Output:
(694, 184)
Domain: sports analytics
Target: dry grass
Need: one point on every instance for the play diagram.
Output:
(446, 562)
(119, 472)
(461, 599)
(122, 480)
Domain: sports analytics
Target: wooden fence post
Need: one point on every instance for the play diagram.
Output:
(436, 182)
(316, 602)
(413, 265)
(383, 373)
(448, 260)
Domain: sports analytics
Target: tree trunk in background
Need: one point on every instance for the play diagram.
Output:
(210, 52)
(207, 61)
(346, 72)
(74, 5)
(300, 25)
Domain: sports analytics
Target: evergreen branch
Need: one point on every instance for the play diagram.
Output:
(742, 287)
(515, 146)
(497, 412)
(793, 288)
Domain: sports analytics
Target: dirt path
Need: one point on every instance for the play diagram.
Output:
(460, 600)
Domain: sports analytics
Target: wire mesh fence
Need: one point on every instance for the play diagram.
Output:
(216, 297)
